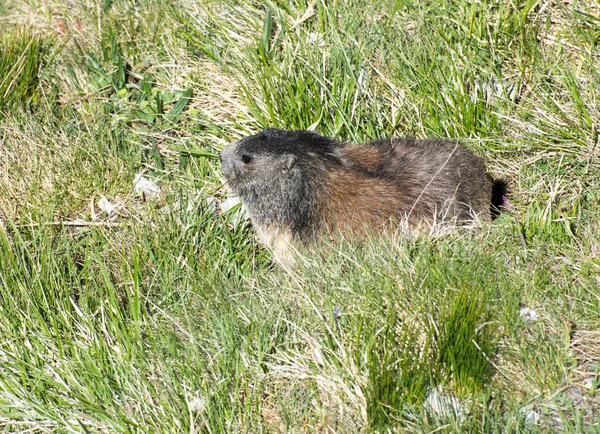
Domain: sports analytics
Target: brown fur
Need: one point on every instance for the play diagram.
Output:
(357, 203)
(298, 185)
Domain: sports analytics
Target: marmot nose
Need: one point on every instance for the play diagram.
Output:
(227, 158)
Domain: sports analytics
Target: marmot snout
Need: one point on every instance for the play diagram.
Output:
(297, 185)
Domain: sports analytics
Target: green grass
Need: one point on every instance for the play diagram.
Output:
(165, 315)
(23, 55)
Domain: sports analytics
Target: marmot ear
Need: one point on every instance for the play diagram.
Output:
(288, 162)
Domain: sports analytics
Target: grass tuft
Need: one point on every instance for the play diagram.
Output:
(23, 54)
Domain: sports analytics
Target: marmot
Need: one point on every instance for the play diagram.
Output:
(298, 185)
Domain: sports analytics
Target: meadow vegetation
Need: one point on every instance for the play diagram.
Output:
(163, 314)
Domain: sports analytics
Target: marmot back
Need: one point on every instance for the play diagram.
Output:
(297, 185)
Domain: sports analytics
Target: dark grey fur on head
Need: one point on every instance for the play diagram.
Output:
(281, 177)
(276, 174)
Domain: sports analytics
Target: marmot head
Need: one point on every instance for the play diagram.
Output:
(277, 174)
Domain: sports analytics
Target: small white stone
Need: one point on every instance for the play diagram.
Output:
(588, 383)
(106, 206)
(198, 404)
(529, 315)
(444, 405)
(240, 215)
(229, 203)
(532, 416)
(141, 184)
(316, 38)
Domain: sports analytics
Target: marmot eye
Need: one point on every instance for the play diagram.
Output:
(246, 158)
